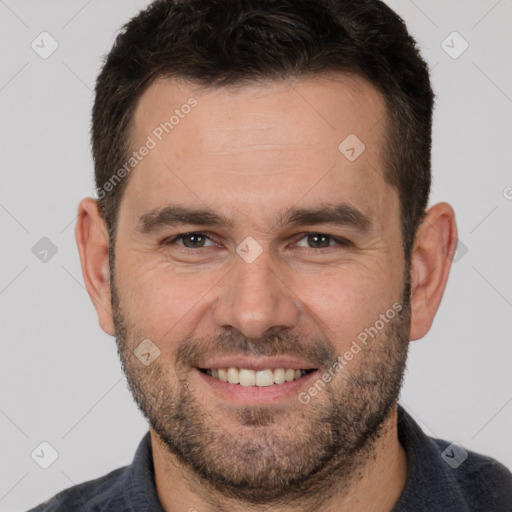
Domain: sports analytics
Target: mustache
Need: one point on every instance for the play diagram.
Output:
(192, 351)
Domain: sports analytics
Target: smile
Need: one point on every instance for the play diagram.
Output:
(260, 378)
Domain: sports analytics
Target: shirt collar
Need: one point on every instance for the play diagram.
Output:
(139, 488)
(430, 481)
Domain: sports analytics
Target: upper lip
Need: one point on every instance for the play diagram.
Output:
(259, 363)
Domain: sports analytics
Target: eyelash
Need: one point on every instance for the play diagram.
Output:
(340, 241)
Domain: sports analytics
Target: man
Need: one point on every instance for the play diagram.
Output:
(262, 252)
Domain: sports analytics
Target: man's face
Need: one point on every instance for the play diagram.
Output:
(261, 292)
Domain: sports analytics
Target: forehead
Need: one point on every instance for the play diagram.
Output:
(332, 105)
(255, 147)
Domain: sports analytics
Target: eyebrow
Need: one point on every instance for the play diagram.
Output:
(342, 214)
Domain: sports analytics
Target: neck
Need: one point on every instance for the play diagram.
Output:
(375, 486)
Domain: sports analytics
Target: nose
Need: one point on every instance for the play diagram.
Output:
(254, 298)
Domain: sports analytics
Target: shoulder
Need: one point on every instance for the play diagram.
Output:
(444, 476)
(100, 494)
(485, 482)
(129, 488)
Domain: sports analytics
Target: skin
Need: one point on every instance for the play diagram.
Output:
(249, 153)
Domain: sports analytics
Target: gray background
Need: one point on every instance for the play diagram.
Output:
(60, 378)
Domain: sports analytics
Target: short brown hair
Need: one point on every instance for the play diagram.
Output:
(227, 42)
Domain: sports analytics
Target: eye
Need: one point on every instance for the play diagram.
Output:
(190, 240)
(198, 240)
(322, 241)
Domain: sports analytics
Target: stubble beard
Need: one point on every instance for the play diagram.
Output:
(276, 455)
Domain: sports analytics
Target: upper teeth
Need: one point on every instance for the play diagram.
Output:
(246, 377)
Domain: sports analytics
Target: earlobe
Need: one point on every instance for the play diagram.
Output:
(92, 241)
(431, 259)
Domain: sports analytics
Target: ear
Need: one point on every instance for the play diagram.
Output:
(431, 259)
(92, 240)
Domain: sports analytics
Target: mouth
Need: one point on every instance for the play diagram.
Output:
(252, 381)
(248, 377)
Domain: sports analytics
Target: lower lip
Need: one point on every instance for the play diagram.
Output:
(254, 395)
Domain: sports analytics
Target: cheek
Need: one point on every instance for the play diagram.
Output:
(163, 301)
(346, 301)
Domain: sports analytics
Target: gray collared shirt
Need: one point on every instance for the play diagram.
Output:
(438, 480)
